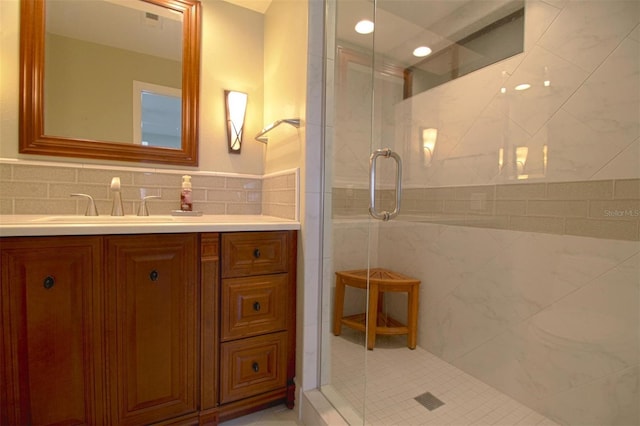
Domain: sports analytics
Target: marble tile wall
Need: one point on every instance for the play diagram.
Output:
(29, 187)
(550, 320)
(537, 294)
(578, 121)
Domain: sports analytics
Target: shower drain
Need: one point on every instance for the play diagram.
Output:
(429, 401)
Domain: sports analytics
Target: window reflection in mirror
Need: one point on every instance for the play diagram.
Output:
(157, 115)
(94, 51)
(161, 123)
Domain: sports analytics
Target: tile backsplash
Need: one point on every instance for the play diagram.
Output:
(28, 187)
(607, 209)
(280, 195)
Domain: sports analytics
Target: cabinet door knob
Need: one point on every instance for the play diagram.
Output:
(255, 367)
(256, 253)
(49, 282)
(153, 275)
(256, 306)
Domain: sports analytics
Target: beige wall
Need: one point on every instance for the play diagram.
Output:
(232, 58)
(285, 93)
(9, 74)
(285, 65)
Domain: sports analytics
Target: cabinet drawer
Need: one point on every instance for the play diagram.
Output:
(252, 366)
(253, 305)
(254, 253)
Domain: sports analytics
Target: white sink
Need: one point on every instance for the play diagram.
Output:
(104, 219)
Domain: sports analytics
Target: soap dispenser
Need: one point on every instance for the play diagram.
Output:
(185, 195)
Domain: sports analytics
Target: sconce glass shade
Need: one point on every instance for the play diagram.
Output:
(236, 106)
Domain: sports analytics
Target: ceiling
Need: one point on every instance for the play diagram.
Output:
(256, 5)
(94, 22)
(403, 25)
(137, 26)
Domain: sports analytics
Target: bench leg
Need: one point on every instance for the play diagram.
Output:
(372, 316)
(338, 307)
(412, 317)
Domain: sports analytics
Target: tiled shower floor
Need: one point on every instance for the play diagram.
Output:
(396, 375)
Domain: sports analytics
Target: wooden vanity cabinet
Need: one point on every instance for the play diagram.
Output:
(52, 366)
(146, 329)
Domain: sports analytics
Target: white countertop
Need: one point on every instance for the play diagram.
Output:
(43, 225)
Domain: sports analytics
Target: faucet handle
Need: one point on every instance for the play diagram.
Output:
(143, 210)
(91, 205)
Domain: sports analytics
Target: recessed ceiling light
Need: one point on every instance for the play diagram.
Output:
(421, 51)
(523, 86)
(364, 27)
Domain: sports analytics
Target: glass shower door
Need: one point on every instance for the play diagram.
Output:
(365, 175)
(377, 145)
(349, 240)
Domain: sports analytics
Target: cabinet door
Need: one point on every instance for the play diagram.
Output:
(252, 366)
(51, 361)
(152, 344)
(254, 253)
(253, 305)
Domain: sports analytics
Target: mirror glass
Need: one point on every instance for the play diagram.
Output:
(95, 52)
(114, 79)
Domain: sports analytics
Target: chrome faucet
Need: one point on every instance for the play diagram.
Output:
(116, 209)
(143, 210)
(91, 209)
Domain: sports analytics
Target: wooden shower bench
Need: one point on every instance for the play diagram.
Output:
(380, 281)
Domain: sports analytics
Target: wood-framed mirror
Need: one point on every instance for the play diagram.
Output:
(63, 118)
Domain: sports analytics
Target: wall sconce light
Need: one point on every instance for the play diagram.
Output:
(521, 160)
(428, 142)
(236, 106)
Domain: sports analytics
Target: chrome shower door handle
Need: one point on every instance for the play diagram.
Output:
(386, 153)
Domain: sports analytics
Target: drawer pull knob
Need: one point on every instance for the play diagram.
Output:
(256, 306)
(256, 253)
(153, 276)
(255, 367)
(49, 282)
